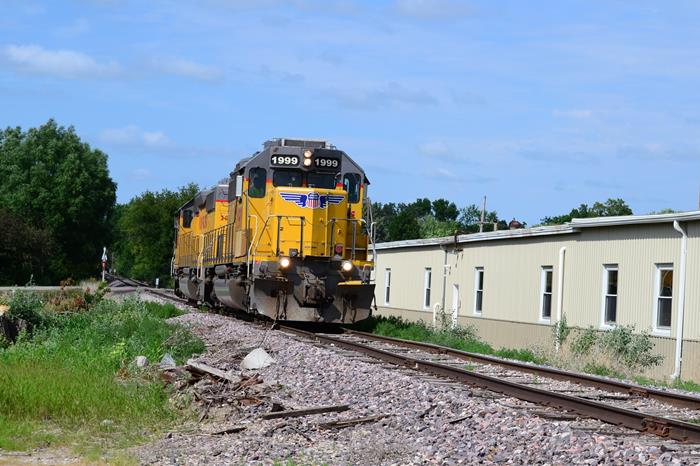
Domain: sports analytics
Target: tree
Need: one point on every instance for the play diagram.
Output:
(444, 210)
(666, 210)
(404, 226)
(145, 233)
(24, 250)
(610, 208)
(470, 216)
(61, 189)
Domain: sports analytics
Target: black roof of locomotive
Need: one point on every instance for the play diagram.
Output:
(295, 147)
(291, 146)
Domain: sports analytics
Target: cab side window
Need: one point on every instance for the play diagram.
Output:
(256, 185)
(351, 184)
(186, 218)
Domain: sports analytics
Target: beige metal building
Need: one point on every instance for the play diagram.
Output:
(514, 285)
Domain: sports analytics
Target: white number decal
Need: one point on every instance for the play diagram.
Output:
(284, 160)
(330, 163)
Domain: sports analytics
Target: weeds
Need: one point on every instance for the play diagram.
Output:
(71, 381)
(463, 338)
(614, 352)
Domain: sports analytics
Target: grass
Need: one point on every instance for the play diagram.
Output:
(461, 338)
(687, 385)
(71, 383)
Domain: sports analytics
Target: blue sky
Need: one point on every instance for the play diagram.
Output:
(539, 105)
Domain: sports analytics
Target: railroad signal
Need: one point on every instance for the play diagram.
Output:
(104, 262)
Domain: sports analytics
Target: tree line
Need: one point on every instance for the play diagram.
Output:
(58, 209)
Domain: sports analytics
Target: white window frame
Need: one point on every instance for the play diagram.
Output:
(661, 331)
(387, 286)
(604, 294)
(427, 282)
(478, 271)
(543, 287)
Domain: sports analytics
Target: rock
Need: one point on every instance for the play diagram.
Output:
(167, 362)
(141, 361)
(256, 359)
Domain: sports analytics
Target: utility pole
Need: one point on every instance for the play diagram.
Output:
(483, 216)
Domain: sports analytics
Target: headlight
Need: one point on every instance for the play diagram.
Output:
(307, 154)
(307, 162)
(346, 266)
(284, 262)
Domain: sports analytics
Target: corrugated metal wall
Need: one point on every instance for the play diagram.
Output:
(408, 276)
(635, 250)
(512, 279)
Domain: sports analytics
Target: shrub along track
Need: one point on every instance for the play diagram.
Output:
(649, 407)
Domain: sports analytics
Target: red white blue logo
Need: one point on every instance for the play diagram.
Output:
(313, 200)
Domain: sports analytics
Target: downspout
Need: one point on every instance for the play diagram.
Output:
(444, 279)
(681, 301)
(560, 289)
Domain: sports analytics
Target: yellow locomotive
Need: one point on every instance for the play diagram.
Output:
(286, 237)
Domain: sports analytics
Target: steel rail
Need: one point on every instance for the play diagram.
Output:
(663, 427)
(617, 386)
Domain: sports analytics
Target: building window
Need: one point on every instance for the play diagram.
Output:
(610, 274)
(387, 285)
(426, 287)
(478, 290)
(546, 293)
(664, 297)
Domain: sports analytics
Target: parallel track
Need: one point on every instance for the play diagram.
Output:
(643, 422)
(617, 386)
(637, 420)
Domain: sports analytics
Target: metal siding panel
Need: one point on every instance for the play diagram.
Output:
(407, 276)
(512, 274)
(691, 327)
(636, 250)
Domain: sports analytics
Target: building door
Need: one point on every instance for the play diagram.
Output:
(456, 304)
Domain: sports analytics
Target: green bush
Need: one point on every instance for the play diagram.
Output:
(584, 341)
(615, 351)
(27, 306)
(633, 349)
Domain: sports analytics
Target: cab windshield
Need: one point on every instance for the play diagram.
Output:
(297, 179)
(288, 178)
(320, 180)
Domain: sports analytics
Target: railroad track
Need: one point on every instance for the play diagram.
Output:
(649, 410)
(619, 411)
(127, 282)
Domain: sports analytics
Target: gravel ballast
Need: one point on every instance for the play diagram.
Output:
(430, 421)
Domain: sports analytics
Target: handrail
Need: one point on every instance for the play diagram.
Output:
(279, 217)
(247, 258)
(354, 221)
(301, 227)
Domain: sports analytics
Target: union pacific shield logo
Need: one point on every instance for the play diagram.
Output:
(313, 200)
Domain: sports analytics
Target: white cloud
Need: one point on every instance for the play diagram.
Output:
(77, 27)
(61, 63)
(141, 173)
(134, 136)
(187, 69)
(432, 9)
(390, 95)
(434, 148)
(446, 174)
(578, 113)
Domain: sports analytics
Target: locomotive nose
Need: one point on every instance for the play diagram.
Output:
(308, 220)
